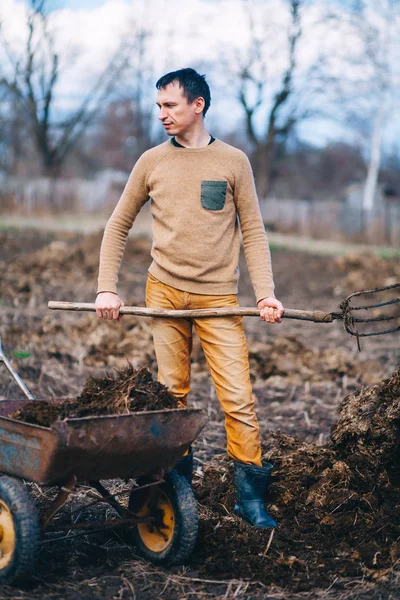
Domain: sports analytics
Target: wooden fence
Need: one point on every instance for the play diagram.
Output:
(68, 195)
(332, 220)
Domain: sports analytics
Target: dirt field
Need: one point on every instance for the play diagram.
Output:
(301, 372)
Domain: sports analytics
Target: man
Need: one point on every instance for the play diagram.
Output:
(200, 188)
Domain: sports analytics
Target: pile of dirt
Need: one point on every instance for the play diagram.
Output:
(336, 518)
(59, 264)
(367, 433)
(127, 391)
(85, 339)
(14, 243)
(42, 269)
(366, 271)
(99, 343)
(287, 360)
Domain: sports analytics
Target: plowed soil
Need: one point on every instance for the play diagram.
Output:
(329, 419)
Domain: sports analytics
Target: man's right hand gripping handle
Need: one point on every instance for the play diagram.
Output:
(108, 305)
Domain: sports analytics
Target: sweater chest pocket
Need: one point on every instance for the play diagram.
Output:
(213, 194)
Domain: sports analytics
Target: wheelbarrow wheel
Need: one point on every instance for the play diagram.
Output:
(19, 531)
(170, 537)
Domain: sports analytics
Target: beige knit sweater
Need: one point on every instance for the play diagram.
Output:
(197, 195)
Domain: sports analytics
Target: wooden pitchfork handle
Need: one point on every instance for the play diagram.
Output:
(317, 316)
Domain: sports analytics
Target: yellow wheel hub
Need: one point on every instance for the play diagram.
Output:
(157, 535)
(7, 535)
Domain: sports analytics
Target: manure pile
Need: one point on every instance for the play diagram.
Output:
(288, 361)
(366, 271)
(129, 390)
(67, 262)
(337, 505)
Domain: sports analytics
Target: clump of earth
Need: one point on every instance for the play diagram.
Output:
(337, 505)
(287, 360)
(128, 390)
(367, 271)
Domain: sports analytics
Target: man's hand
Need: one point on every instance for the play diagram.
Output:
(108, 305)
(271, 310)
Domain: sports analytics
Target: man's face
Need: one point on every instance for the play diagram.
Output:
(176, 114)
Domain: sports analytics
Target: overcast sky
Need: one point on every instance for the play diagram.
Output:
(186, 33)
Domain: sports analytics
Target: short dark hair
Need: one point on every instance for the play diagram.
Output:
(193, 84)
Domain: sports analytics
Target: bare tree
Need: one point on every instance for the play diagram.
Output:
(126, 128)
(31, 78)
(141, 92)
(253, 90)
(379, 40)
(121, 135)
(367, 91)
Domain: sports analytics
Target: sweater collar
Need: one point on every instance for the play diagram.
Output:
(178, 145)
(183, 149)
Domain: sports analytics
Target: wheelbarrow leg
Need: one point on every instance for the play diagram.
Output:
(122, 511)
(59, 500)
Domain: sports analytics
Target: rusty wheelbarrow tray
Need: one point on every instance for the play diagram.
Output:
(94, 448)
(161, 516)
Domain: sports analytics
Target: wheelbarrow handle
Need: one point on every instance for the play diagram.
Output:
(17, 378)
(316, 316)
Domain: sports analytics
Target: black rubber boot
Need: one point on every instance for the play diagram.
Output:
(251, 483)
(184, 466)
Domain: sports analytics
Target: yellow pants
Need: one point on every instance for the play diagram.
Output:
(225, 348)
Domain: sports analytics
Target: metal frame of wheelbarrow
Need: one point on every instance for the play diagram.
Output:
(144, 446)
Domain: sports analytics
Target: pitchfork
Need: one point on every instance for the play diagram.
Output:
(346, 312)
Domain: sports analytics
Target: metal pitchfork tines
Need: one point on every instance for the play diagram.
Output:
(316, 316)
(350, 322)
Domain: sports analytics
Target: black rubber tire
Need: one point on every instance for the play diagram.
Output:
(27, 531)
(186, 521)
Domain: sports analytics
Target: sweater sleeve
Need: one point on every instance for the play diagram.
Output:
(134, 196)
(255, 241)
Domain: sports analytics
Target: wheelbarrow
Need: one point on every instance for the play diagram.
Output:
(161, 518)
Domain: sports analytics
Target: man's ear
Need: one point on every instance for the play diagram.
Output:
(199, 104)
